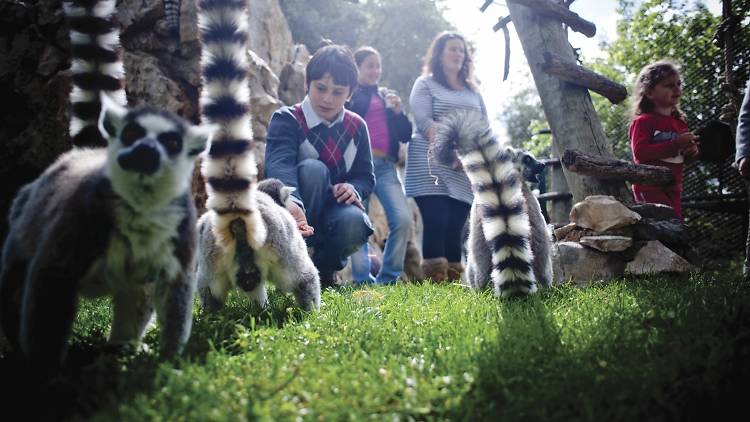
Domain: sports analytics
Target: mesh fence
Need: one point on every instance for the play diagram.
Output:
(714, 196)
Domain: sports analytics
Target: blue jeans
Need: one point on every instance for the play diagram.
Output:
(397, 212)
(340, 229)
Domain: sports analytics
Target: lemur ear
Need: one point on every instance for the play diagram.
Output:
(286, 192)
(111, 117)
(197, 137)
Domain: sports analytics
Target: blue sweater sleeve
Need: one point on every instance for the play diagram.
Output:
(282, 146)
(743, 127)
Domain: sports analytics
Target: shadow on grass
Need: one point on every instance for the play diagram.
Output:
(664, 350)
(94, 376)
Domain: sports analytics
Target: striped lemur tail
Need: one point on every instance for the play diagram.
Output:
(172, 17)
(229, 166)
(97, 67)
(496, 183)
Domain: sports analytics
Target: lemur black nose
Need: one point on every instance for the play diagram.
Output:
(143, 158)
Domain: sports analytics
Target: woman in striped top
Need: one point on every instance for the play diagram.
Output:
(442, 192)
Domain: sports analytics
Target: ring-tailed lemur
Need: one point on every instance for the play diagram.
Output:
(509, 241)
(96, 68)
(245, 237)
(118, 221)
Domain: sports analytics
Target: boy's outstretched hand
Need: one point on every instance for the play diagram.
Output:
(299, 216)
(345, 193)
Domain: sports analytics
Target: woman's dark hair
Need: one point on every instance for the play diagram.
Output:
(433, 63)
(649, 77)
(336, 60)
(364, 52)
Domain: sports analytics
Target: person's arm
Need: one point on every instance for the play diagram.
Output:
(362, 175)
(420, 103)
(743, 136)
(399, 126)
(282, 146)
(644, 151)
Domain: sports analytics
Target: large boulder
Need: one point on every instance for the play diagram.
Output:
(656, 258)
(601, 213)
(572, 262)
(269, 32)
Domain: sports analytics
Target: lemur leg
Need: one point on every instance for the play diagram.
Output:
(479, 255)
(211, 286)
(175, 311)
(47, 313)
(133, 310)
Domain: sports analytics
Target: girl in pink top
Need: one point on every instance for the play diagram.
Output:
(388, 127)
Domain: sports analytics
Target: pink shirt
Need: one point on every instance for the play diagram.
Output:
(377, 125)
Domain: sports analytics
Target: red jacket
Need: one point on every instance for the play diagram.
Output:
(652, 141)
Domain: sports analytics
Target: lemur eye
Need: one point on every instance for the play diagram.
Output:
(172, 141)
(526, 159)
(131, 133)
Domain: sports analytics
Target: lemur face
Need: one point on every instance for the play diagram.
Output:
(150, 152)
(527, 165)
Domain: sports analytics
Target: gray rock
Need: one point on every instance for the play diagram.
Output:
(670, 232)
(655, 211)
(601, 213)
(607, 243)
(571, 262)
(655, 258)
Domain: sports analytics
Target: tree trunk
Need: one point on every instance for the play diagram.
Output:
(568, 108)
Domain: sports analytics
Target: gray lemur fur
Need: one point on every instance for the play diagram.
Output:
(245, 238)
(117, 222)
(282, 259)
(518, 256)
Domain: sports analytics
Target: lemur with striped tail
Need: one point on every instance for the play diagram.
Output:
(116, 221)
(509, 242)
(245, 237)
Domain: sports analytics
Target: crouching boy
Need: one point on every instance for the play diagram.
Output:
(323, 151)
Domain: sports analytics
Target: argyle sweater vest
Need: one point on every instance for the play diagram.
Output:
(335, 146)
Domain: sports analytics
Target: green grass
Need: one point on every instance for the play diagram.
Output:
(656, 349)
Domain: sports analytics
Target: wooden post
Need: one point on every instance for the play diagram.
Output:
(568, 108)
(559, 209)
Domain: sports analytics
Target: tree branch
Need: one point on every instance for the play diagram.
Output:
(614, 169)
(554, 10)
(579, 75)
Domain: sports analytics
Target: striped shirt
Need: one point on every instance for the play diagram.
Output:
(429, 101)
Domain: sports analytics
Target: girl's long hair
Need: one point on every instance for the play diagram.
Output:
(647, 79)
(433, 63)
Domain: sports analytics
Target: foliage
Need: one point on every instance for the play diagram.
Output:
(523, 108)
(400, 30)
(655, 348)
(684, 32)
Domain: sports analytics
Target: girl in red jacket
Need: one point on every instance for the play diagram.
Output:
(658, 133)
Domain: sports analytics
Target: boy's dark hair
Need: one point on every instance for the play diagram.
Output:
(336, 60)
(647, 79)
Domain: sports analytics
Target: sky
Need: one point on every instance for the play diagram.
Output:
(490, 46)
